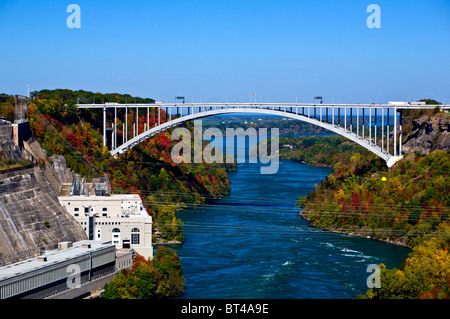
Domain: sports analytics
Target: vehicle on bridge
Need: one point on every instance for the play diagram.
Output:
(401, 103)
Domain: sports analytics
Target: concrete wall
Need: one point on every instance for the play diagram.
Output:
(33, 147)
(21, 132)
(6, 132)
(27, 201)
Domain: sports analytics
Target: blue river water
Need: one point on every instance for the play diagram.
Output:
(254, 244)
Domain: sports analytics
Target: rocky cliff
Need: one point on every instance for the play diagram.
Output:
(426, 133)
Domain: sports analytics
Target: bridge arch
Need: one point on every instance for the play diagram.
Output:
(388, 158)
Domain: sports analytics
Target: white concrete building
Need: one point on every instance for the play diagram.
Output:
(122, 219)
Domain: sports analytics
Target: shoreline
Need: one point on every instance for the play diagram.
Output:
(355, 233)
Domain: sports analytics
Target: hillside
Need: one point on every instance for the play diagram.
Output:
(147, 169)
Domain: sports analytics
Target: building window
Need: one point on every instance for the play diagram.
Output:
(116, 236)
(135, 236)
(76, 209)
(104, 209)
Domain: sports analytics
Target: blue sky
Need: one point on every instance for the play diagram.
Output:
(224, 50)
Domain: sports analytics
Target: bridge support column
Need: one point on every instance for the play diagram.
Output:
(400, 133)
(112, 137)
(387, 133)
(104, 126)
(370, 126)
(332, 115)
(363, 111)
(126, 124)
(382, 130)
(115, 127)
(395, 131)
(357, 121)
(375, 132)
(351, 119)
(345, 118)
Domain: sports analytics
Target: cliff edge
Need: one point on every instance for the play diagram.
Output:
(427, 133)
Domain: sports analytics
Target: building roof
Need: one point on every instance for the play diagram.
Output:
(53, 257)
(93, 200)
(114, 197)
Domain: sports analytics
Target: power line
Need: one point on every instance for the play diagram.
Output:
(339, 214)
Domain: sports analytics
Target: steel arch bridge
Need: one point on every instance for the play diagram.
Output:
(376, 127)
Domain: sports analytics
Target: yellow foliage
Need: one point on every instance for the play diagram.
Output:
(339, 194)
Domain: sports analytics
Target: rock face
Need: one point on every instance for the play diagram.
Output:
(428, 133)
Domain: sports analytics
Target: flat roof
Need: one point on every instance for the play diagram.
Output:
(53, 257)
(99, 198)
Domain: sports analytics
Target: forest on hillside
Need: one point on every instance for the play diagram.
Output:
(147, 169)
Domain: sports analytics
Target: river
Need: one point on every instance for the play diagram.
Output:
(254, 244)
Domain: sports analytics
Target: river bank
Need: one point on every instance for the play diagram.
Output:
(362, 234)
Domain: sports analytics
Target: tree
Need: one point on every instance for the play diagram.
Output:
(426, 273)
(161, 277)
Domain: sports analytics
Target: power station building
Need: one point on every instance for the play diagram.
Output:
(121, 219)
(72, 270)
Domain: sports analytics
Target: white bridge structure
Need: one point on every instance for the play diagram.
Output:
(376, 127)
